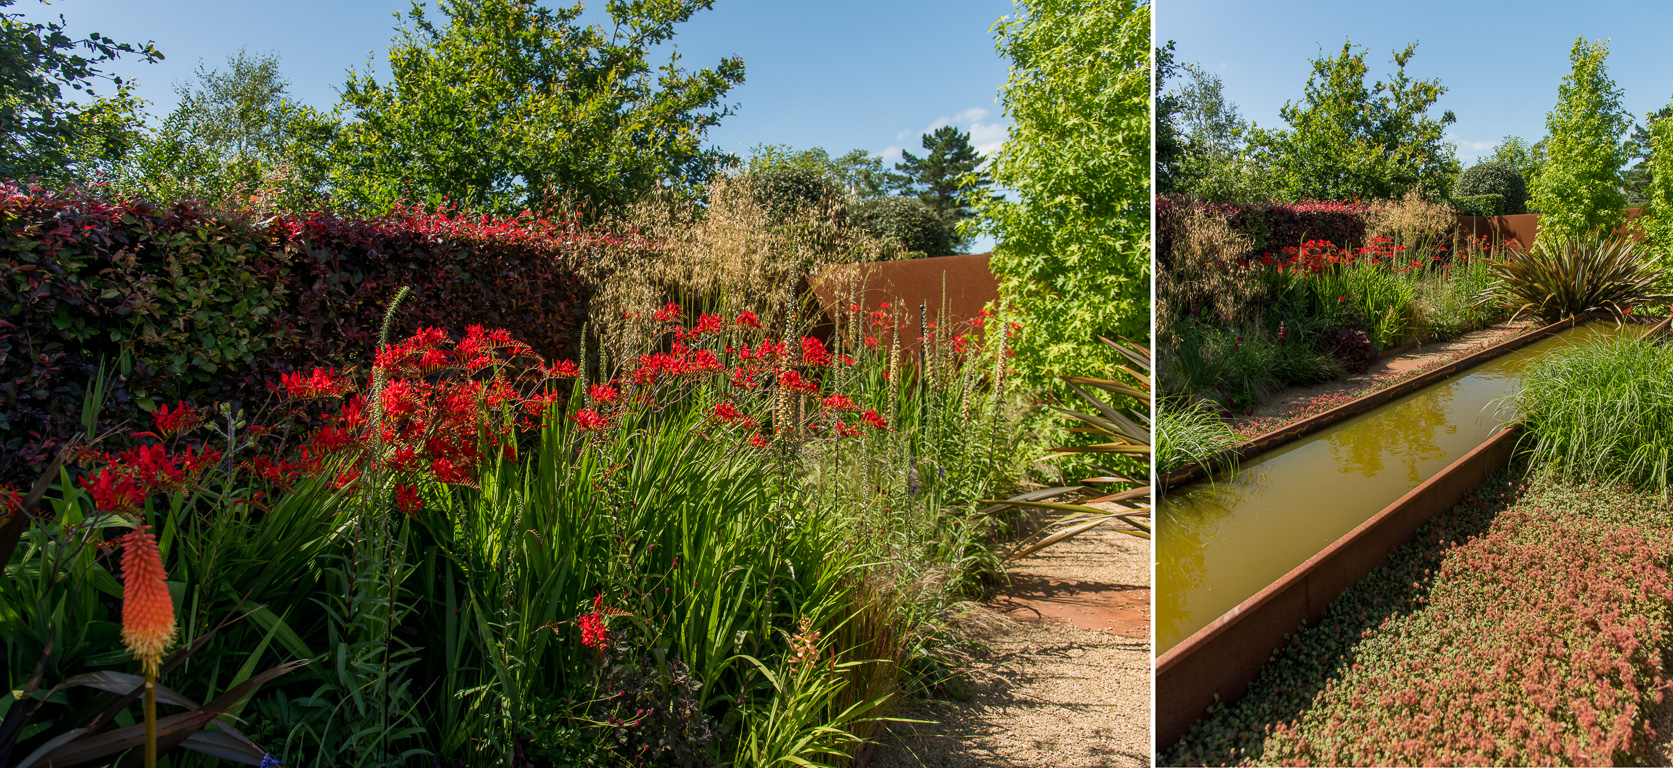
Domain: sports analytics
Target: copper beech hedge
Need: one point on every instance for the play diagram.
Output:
(181, 302)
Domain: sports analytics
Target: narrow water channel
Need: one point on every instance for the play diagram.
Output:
(1220, 542)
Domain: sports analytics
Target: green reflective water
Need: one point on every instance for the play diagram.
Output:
(1219, 543)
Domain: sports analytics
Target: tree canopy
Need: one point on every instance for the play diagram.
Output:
(504, 104)
(1580, 187)
(42, 130)
(1347, 140)
(947, 177)
(1073, 250)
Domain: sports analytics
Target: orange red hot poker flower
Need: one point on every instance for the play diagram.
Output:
(147, 609)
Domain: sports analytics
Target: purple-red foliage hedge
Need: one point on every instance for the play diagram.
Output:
(1273, 226)
(210, 306)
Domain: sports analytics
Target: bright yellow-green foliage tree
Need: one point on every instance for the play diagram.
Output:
(1658, 225)
(1073, 251)
(1580, 188)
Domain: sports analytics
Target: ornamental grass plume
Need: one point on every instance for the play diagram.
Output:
(147, 609)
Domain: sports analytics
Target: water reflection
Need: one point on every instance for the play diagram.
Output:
(1218, 543)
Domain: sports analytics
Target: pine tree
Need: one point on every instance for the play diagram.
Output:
(939, 177)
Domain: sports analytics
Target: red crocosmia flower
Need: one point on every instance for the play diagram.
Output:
(670, 313)
(563, 369)
(814, 352)
(840, 403)
(1341, 299)
(345, 479)
(846, 359)
(706, 323)
(884, 305)
(169, 422)
(745, 378)
(604, 393)
(147, 608)
(795, 382)
(960, 343)
(588, 419)
(404, 459)
(321, 383)
(448, 472)
(113, 492)
(843, 430)
(758, 441)
(871, 341)
(728, 413)
(704, 360)
(594, 634)
(407, 499)
(748, 319)
(873, 419)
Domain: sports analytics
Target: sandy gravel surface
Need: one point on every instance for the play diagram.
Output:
(1297, 403)
(1051, 693)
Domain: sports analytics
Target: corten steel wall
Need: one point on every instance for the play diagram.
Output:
(1522, 227)
(905, 284)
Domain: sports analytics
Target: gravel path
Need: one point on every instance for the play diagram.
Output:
(1067, 685)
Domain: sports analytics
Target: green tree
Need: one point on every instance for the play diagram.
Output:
(1214, 164)
(1170, 144)
(947, 177)
(1658, 221)
(1347, 140)
(234, 134)
(1528, 159)
(859, 172)
(507, 104)
(43, 133)
(1580, 187)
(1073, 235)
(1639, 176)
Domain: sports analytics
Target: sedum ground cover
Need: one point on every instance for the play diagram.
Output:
(1526, 626)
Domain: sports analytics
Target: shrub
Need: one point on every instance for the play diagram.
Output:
(210, 305)
(1350, 346)
(1493, 178)
(786, 190)
(1563, 276)
(911, 224)
(1478, 205)
(1602, 412)
(1270, 227)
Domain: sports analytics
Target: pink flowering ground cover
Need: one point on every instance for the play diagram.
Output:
(1526, 626)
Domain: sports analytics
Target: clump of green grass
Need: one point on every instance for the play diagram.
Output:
(1604, 411)
(1188, 432)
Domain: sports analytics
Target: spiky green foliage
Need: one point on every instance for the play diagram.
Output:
(1566, 276)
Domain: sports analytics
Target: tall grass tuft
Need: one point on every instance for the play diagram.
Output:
(1604, 412)
(1188, 432)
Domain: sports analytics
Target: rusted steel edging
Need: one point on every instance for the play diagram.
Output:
(1217, 663)
(1288, 434)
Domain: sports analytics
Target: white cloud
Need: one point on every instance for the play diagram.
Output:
(1470, 150)
(892, 156)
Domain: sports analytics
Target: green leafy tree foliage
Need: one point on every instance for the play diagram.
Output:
(1580, 188)
(507, 104)
(1527, 159)
(1640, 176)
(43, 132)
(1073, 249)
(1658, 225)
(857, 171)
(947, 177)
(1170, 145)
(1347, 140)
(235, 134)
(784, 190)
(1214, 165)
(907, 223)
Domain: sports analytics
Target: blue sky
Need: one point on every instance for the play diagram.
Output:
(1501, 62)
(864, 74)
